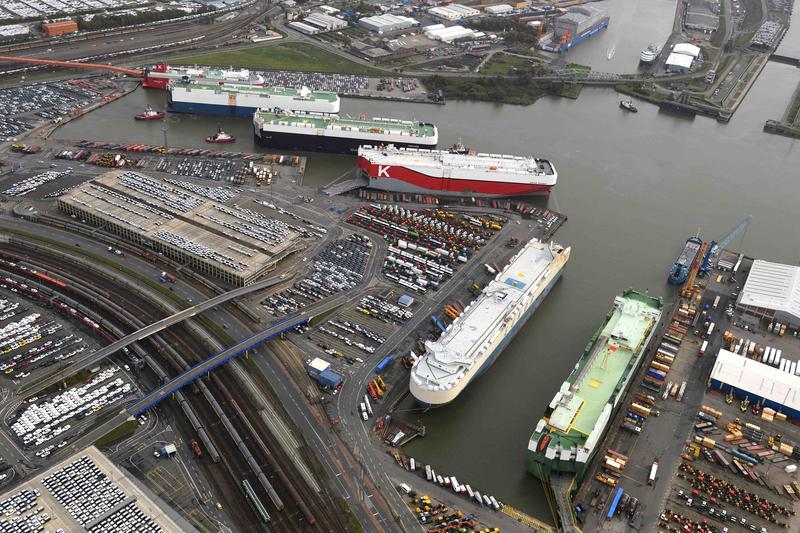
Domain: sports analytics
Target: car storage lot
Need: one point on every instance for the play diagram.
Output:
(44, 502)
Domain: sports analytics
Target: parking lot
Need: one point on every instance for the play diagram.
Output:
(22, 108)
(85, 491)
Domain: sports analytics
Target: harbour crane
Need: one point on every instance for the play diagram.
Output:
(715, 247)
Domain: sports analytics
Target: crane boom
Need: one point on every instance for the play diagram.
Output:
(715, 247)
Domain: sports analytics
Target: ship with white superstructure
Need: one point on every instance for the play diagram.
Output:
(244, 100)
(649, 54)
(474, 340)
(160, 75)
(454, 172)
(327, 132)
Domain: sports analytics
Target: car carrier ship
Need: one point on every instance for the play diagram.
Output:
(454, 173)
(575, 421)
(325, 132)
(160, 75)
(574, 27)
(473, 341)
(243, 100)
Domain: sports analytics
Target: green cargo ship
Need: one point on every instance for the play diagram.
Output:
(575, 421)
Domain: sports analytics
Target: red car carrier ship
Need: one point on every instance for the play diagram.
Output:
(159, 75)
(454, 173)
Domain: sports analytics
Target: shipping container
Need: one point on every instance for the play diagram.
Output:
(703, 348)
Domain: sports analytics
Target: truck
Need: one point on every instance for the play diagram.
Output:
(166, 451)
(166, 277)
(383, 364)
(198, 453)
(703, 348)
(363, 409)
(716, 302)
(653, 472)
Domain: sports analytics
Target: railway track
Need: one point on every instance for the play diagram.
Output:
(297, 494)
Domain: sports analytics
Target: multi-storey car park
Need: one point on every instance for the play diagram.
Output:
(228, 241)
(85, 492)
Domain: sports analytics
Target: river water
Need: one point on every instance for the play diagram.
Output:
(634, 186)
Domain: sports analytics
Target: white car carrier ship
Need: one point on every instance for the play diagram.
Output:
(474, 340)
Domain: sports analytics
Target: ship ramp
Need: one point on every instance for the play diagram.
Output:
(340, 187)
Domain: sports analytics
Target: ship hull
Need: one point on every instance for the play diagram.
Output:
(211, 109)
(428, 399)
(320, 143)
(400, 179)
(603, 24)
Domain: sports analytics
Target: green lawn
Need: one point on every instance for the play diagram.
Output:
(502, 64)
(288, 56)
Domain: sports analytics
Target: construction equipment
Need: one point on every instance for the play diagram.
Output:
(689, 289)
(715, 247)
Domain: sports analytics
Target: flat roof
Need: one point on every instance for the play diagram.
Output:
(60, 517)
(227, 236)
(618, 343)
(446, 361)
(679, 60)
(772, 286)
(291, 92)
(326, 121)
(757, 378)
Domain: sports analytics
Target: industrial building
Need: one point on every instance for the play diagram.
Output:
(687, 49)
(59, 27)
(772, 292)
(453, 12)
(679, 62)
(55, 499)
(304, 28)
(749, 378)
(223, 240)
(448, 34)
(381, 24)
(498, 9)
(324, 22)
(702, 15)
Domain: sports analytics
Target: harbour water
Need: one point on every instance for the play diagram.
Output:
(634, 187)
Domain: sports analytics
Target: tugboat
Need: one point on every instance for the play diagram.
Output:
(220, 137)
(460, 148)
(150, 114)
(628, 105)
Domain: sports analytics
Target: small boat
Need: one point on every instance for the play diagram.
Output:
(150, 114)
(220, 137)
(628, 105)
(610, 53)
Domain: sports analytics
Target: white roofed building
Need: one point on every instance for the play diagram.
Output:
(687, 49)
(772, 291)
(679, 62)
(498, 9)
(449, 34)
(779, 390)
(454, 12)
(381, 24)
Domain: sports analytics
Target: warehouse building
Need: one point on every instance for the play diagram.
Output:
(702, 15)
(304, 28)
(448, 34)
(686, 49)
(324, 22)
(453, 12)
(745, 377)
(381, 24)
(772, 292)
(499, 9)
(220, 239)
(679, 62)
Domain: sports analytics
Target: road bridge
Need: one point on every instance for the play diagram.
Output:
(98, 355)
(166, 390)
